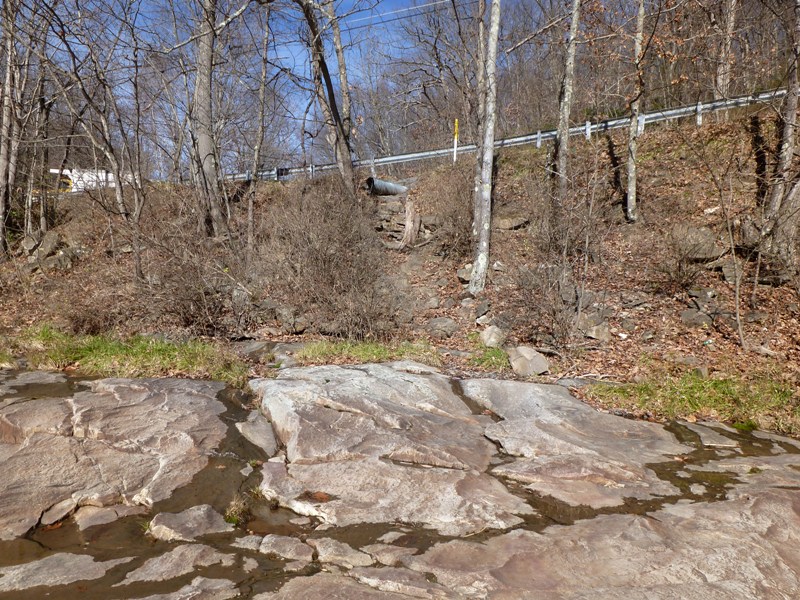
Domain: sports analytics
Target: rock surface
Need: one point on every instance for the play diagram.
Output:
(120, 442)
(54, 570)
(568, 450)
(178, 561)
(387, 459)
(356, 437)
(188, 525)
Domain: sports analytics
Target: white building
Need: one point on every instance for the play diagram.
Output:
(80, 180)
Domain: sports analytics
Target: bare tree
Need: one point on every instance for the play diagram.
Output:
(565, 105)
(338, 120)
(631, 211)
(483, 219)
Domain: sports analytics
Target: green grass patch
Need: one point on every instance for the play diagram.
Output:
(367, 352)
(761, 401)
(138, 356)
(490, 359)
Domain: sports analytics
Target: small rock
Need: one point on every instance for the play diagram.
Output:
(482, 308)
(694, 318)
(50, 243)
(465, 274)
(339, 553)
(448, 303)
(201, 588)
(286, 547)
(702, 293)
(258, 432)
(493, 337)
(525, 361)
(188, 525)
(510, 223)
(441, 327)
(178, 561)
(387, 554)
(89, 516)
(598, 332)
(701, 372)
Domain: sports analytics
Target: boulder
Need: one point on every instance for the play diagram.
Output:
(493, 337)
(698, 244)
(527, 362)
(694, 318)
(258, 431)
(441, 327)
(465, 274)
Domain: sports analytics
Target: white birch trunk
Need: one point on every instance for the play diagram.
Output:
(631, 212)
(565, 104)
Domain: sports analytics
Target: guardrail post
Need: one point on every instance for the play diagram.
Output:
(699, 117)
(640, 121)
(539, 139)
(588, 130)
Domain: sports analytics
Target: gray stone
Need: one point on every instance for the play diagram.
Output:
(703, 293)
(441, 327)
(50, 243)
(201, 588)
(694, 318)
(599, 332)
(493, 337)
(465, 274)
(178, 561)
(568, 450)
(248, 542)
(427, 299)
(338, 553)
(286, 547)
(30, 242)
(121, 442)
(526, 362)
(510, 223)
(697, 243)
(55, 570)
(258, 432)
(482, 308)
(188, 525)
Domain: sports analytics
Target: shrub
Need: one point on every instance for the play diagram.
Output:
(325, 258)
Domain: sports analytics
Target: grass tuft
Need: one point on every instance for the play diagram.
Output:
(138, 356)
(490, 359)
(761, 401)
(367, 352)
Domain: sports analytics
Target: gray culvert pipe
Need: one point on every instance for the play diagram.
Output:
(378, 187)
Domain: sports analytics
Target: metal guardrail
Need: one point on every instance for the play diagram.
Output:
(537, 138)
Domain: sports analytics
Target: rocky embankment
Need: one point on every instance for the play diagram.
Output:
(381, 481)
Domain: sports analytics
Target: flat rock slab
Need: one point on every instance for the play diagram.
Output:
(286, 547)
(201, 588)
(178, 561)
(188, 525)
(570, 451)
(123, 441)
(741, 549)
(338, 553)
(330, 587)
(382, 444)
(55, 570)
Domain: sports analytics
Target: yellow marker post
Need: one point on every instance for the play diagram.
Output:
(455, 142)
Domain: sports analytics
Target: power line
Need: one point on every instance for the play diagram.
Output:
(403, 17)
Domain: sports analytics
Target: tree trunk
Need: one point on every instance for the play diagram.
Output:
(483, 219)
(723, 73)
(262, 126)
(565, 106)
(8, 15)
(206, 168)
(481, 69)
(338, 122)
(631, 212)
(783, 212)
